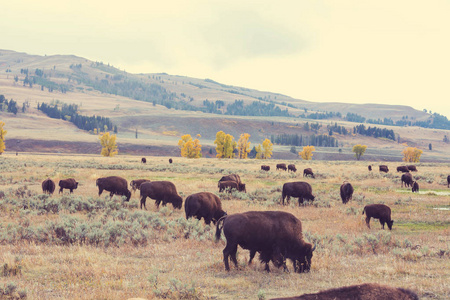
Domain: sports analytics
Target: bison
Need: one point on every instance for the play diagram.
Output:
(272, 233)
(115, 185)
(204, 205)
(164, 191)
(407, 179)
(448, 181)
(48, 186)
(281, 167)
(308, 171)
(378, 211)
(365, 291)
(136, 184)
(292, 168)
(233, 177)
(384, 168)
(412, 168)
(265, 168)
(69, 184)
(346, 192)
(370, 168)
(299, 189)
(230, 185)
(415, 187)
(170, 161)
(143, 160)
(403, 169)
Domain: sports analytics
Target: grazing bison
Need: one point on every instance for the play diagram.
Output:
(403, 169)
(164, 191)
(170, 161)
(384, 168)
(69, 184)
(143, 160)
(299, 189)
(365, 291)
(229, 185)
(265, 168)
(407, 179)
(136, 184)
(412, 168)
(448, 181)
(232, 177)
(272, 233)
(281, 166)
(378, 211)
(346, 192)
(308, 171)
(370, 168)
(292, 168)
(415, 187)
(204, 205)
(115, 185)
(48, 186)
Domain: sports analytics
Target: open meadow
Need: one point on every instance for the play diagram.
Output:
(85, 246)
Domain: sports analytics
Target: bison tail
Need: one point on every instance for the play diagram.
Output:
(364, 209)
(219, 228)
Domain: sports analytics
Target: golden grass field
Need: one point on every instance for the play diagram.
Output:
(177, 259)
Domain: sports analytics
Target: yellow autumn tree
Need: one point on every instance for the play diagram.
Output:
(359, 150)
(2, 137)
(267, 148)
(225, 145)
(109, 146)
(307, 152)
(190, 148)
(411, 154)
(259, 152)
(243, 145)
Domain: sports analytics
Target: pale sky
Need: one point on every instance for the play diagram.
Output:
(390, 52)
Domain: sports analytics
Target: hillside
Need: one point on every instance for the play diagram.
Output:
(147, 102)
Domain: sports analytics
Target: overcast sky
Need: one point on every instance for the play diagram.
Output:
(391, 52)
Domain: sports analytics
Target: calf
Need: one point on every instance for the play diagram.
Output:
(308, 172)
(136, 184)
(415, 187)
(378, 211)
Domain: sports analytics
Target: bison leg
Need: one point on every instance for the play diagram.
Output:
(143, 198)
(230, 251)
(368, 221)
(100, 191)
(71, 191)
(300, 201)
(252, 255)
(382, 223)
(61, 190)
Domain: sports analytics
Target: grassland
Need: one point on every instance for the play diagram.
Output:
(82, 246)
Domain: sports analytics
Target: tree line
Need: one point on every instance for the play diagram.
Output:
(8, 106)
(320, 140)
(69, 113)
(374, 132)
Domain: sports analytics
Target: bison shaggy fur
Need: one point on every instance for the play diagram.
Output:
(272, 233)
(136, 184)
(365, 291)
(299, 189)
(204, 205)
(346, 191)
(412, 168)
(160, 191)
(403, 169)
(231, 177)
(69, 184)
(281, 167)
(448, 181)
(407, 179)
(48, 186)
(384, 168)
(265, 168)
(378, 211)
(415, 187)
(308, 172)
(292, 168)
(230, 185)
(115, 185)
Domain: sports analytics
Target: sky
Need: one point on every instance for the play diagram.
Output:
(355, 51)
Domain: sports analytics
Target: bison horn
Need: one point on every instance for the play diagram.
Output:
(314, 248)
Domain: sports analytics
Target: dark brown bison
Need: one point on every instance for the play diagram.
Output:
(415, 187)
(412, 168)
(265, 168)
(370, 168)
(346, 192)
(164, 191)
(204, 205)
(230, 185)
(308, 172)
(136, 184)
(281, 167)
(378, 211)
(299, 189)
(115, 185)
(407, 179)
(69, 184)
(272, 233)
(143, 160)
(292, 168)
(365, 291)
(232, 177)
(403, 169)
(48, 186)
(384, 168)
(170, 161)
(448, 181)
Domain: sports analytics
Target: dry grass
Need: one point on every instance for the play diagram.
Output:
(415, 254)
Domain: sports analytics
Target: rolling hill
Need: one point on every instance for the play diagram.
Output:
(159, 108)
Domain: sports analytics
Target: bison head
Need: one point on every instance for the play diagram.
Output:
(242, 188)
(177, 201)
(128, 195)
(303, 260)
(389, 224)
